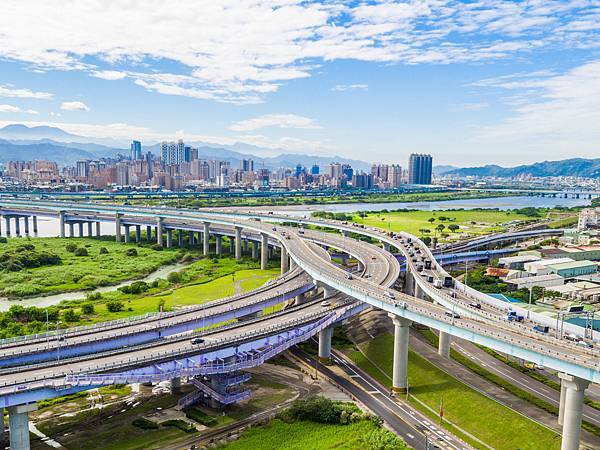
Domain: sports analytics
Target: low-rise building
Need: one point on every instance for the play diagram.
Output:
(573, 268)
(545, 281)
(540, 267)
(517, 262)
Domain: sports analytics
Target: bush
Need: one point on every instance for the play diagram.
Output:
(178, 423)
(71, 247)
(81, 252)
(114, 306)
(156, 247)
(26, 257)
(93, 296)
(318, 409)
(144, 424)
(199, 416)
(70, 316)
(174, 277)
(3, 240)
(131, 252)
(87, 308)
(103, 251)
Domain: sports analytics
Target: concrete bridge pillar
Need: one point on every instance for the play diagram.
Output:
(245, 246)
(325, 343)
(18, 420)
(444, 344)
(80, 226)
(255, 250)
(299, 299)
(561, 406)
(285, 263)
(118, 227)
(17, 226)
(2, 442)
(386, 246)
(127, 234)
(218, 245)
(98, 230)
(90, 229)
(7, 222)
(400, 369)
(344, 233)
(206, 239)
(61, 217)
(573, 407)
(71, 229)
(148, 233)
(26, 221)
(191, 238)
(138, 233)
(238, 243)
(159, 231)
(169, 238)
(231, 245)
(180, 238)
(360, 266)
(292, 263)
(264, 251)
(35, 227)
(175, 385)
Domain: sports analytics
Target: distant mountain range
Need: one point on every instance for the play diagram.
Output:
(19, 142)
(576, 167)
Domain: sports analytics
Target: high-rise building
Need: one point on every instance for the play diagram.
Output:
(187, 153)
(314, 170)
(335, 170)
(83, 168)
(172, 152)
(395, 175)
(348, 171)
(419, 168)
(299, 170)
(247, 165)
(362, 180)
(136, 150)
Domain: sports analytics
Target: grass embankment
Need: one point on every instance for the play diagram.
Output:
(484, 418)
(72, 272)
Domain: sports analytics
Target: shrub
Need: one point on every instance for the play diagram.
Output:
(316, 409)
(81, 252)
(114, 306)
(156, 247)
(71, 247)
(178, 423)
(131, 252)
(3, 240)
(70, 316)
(87, 308)
(93, 296)
(144, 424)
(199, 416)
(103, 251)
(25, 257)
(174, 277)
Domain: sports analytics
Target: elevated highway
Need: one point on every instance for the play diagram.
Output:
(578, 365)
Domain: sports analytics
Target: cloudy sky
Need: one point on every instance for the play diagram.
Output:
(472, 82)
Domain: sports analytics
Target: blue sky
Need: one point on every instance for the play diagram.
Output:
(471, 82)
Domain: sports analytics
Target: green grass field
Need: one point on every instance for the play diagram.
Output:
(80, 272)
(486, 419)
(471, 222)
(278, 435)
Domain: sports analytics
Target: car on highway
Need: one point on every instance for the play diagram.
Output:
(584, 344)
(452, 314)
(197, 340)
(325, 304)
(348, 276)
(473, 304)
(389, 294)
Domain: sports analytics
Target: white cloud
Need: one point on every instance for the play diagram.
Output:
(74, 106)
(9, 91)
(350, 87)
(240, 51)
(274, 120)
(111, 75)
(16, 109)
(555, 111)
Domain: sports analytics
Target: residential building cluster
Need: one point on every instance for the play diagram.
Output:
(178, 166)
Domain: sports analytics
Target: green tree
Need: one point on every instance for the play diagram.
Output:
(114, 306)
(453, 227)
(87, 309)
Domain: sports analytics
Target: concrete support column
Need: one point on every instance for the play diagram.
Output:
(90, 229)
(118, 227)
(169, 238)
(360, 266)
(175, 386)
(80, 229)
(138, 233)
(419, 292)
(206, 239)
(573, 408)
(180, 238)
(98, 230)
(71, 229)
(264, 255)
(218, 245)
(231, 245)
(386, 246)
(148, 233)
(18, 419)
(35, 227)
(292, 264)
(299, 299)
(344, 233)
(17, 226)
(255, 250)
(26, 221)
(2, 442)
(238, 243)
(561, 406)
(325, 343)
(400, 369)
(61, 217)
(127, 234)
(159, 231)
(444, 344)
(284, 260)
(245, 246)
(191, 238)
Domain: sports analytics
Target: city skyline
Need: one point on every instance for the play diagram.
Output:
(477, 83)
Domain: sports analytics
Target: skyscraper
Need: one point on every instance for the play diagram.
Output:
(314, 170)
(247, 165)
(419, 168)
(136, 150)
(172, 153)
(395, 175)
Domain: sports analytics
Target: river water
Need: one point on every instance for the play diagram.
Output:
(50, 228)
